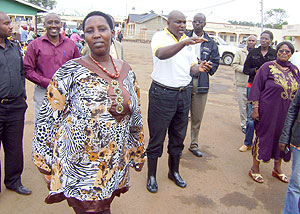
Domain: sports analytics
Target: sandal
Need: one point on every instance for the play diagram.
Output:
(257, 177)
(281, 177)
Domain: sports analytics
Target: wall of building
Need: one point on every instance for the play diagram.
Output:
(154, 25)
(292, 33)
(232, 34)
(9, 6)
(144, 31)
(235, 34)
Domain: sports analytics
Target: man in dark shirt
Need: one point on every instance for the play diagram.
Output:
(205, 51)
(256, 58)
(12, 108)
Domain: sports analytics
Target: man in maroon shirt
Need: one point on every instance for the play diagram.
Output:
(45, 55)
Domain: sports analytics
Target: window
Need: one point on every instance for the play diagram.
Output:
(224, 37)
(233, 38)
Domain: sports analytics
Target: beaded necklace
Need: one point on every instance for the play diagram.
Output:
(116, 75)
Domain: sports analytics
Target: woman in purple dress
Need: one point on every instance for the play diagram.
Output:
(273, 89)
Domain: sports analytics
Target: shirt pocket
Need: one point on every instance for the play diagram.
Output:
(270, 58)
(255, 57)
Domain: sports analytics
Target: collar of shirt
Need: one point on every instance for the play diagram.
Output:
(198, 46)
(195, 35)
(171, 34)
(61, 39)
(7, 43)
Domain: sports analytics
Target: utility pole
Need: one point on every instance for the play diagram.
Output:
(262, 15)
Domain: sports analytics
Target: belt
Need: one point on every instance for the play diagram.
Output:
(181, 88)
(7, 100)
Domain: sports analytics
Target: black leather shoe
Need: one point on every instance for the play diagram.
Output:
(175, 176)
(22, 190)
(152, 184)
(196, 152)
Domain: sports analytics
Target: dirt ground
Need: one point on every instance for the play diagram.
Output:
(216, 183)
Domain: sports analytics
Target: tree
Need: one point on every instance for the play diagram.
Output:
(245, 23)
(47, 4)
(275, 18)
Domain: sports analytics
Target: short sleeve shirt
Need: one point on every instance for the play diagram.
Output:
(174, 71)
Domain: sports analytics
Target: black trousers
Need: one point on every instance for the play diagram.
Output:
(167, 111)
(11, 136)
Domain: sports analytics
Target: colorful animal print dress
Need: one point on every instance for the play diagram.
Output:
(88, 132)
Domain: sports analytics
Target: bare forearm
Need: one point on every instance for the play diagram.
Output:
(169, 51)
(195, 69)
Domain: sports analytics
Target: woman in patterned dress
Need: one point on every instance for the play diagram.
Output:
(90, 130)
(273, 89)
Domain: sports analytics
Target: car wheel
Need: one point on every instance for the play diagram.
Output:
(227, 59)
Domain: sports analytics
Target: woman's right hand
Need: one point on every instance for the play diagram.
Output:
(254, 114)
(282, 146)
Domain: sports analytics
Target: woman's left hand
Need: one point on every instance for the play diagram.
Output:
(282, 146)
(254, 114)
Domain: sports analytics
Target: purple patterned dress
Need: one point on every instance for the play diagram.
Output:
(274, 86)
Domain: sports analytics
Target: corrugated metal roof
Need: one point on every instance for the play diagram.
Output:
(39, 9)
(140, 18)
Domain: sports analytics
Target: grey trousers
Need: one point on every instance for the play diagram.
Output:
(242, 101)
(197, 111)
(38, 97)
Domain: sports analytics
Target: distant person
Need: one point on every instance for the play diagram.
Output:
(63, 32)
(174, 62)
(290, 140)
(24, 35)
(90, 129)
(77, 39)
(120, 36)
(274, 87)
(68, 33)
(31, 35)
(206, 52)
(12, 108)
(256, 58)
(45, 55)
(241, 82)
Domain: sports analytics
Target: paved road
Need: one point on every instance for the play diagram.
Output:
(217, 182)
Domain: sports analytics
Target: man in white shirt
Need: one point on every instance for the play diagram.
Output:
(174, 61)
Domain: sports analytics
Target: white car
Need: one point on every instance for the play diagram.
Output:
(226, 51)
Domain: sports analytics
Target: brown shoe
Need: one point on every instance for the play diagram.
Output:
(244, 148)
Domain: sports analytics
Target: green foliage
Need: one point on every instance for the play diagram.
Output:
(275, 18)
(252, 24)
(47, 4)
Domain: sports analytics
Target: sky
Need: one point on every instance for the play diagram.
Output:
(215, 10)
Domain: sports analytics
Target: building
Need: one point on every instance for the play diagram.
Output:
(235, 34)
(292, 33)
(141, 27)
(21, 12)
